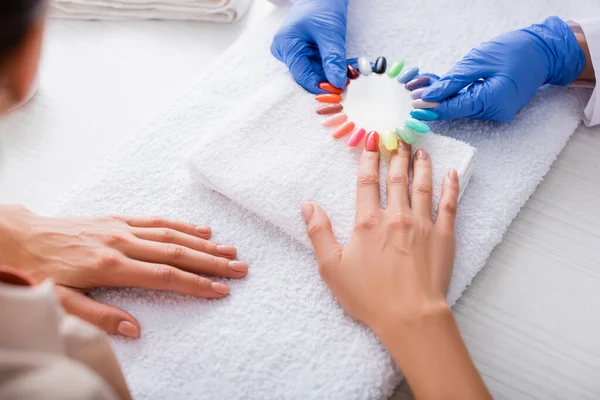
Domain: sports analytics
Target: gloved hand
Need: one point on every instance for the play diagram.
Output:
(312, 43)
(498, 78)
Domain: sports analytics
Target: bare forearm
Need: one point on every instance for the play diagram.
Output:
(588, 71)
(434, 358)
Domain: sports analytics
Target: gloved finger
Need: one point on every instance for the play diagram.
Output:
(106, 317)
(467, 103)
(465, 72)
(354, 62)
(298, 55)
(332, 48)
(303, 71)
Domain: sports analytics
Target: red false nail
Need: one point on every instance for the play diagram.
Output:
(352, 73)
(372, 141)
(328, 87)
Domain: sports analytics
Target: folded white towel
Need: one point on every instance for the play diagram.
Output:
(281, 334)
(196, 10)
(286, 157)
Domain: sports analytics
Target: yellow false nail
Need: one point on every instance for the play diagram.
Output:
(390, 141)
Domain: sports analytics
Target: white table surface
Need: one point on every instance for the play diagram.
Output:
(531, 318)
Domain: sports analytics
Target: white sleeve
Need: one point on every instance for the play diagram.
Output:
(589, 98)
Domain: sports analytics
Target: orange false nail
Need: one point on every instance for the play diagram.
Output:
(328, 98)
(328, 87)
(343, 129)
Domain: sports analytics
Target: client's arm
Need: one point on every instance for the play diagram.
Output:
(393, 274)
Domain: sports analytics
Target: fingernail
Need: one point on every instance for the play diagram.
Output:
(227, 250)
(453, 175)
(372, 141)
(238, 266)
(128, 329)
(421, 154)
(403, 144)
(220, 288)
(307, 211)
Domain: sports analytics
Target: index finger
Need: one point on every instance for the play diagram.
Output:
(160, 222)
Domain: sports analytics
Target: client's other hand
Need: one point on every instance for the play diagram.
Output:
(81, 254)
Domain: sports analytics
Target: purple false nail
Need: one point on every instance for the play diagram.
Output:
(417, 83)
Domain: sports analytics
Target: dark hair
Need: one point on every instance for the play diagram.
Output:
(16, 17)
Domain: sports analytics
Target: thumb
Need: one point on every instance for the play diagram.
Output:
(106, 317)
(332, 48)
(466, 71)
(327, 250)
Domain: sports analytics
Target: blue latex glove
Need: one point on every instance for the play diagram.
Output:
(498, 78)
(312, 43)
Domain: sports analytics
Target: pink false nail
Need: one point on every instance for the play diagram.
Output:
(335, 120)
(343, 129)
(424, 104)
(416, 94)
(356, 137)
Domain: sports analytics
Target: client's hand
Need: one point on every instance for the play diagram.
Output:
(394, 273)
(81, 254)
(398, 263)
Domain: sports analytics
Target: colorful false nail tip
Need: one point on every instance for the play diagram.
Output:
(364, 65)
(408, 75)
(390, 141)
(424, 104)
(372, 141)
(417, 83)
(347, 82)
(351, 72)
(416, 94)
(406, 135)
(423, 115)
(380, 65)
(356, 137)
(417, 126)
(328, 87)
(329, 109)
(395, 69)
(343, 130)
(328, 98)
(335, 120)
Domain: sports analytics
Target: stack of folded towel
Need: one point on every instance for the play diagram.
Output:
(197, 10)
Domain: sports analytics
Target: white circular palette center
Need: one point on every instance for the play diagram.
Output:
(376, 102)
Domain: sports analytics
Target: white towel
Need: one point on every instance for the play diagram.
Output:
(281, 334)
(286, 157)
(195, 10)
